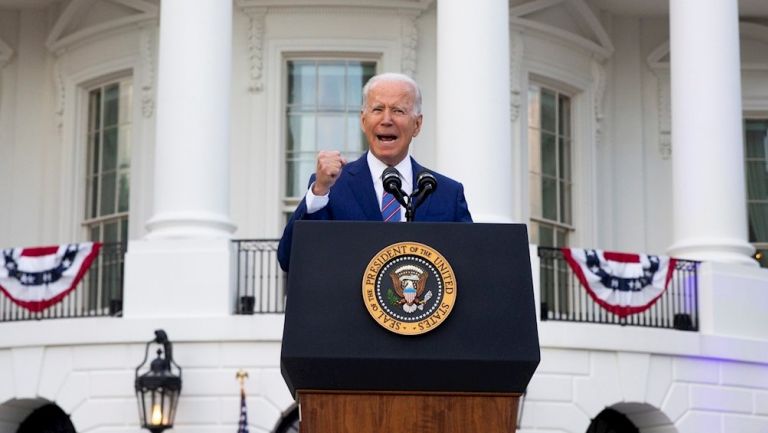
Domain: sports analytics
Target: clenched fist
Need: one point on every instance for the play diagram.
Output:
(329, 165)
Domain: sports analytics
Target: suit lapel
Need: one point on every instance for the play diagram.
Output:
(361, 184)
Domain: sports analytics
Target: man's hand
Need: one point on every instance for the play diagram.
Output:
(329, 165)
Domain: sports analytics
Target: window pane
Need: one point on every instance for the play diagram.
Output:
(109, 161)
(301, 132)
(756, 141)
(565, 116)
(565, 203)
(110, 232)
(95, 233)
(549, 199)
(94, 109)
(331, 85)
(330, 132)
(757, 180)
(90, 190)
(355, 82)
(758, 222)
(562, 238)
(548, 108)
(299, 172)
(124, 192)
(111, 104)
(107, 194)
(546, 236)
(548, 155)
(301, 83)
(93, 153)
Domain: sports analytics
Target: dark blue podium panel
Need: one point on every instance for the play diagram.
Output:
(488, 342)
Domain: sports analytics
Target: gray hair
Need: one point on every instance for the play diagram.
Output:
(394, 76)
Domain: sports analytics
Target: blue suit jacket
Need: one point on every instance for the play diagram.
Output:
(353, 198)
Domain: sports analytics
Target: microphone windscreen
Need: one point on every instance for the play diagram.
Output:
(426, 181)
(391, 180)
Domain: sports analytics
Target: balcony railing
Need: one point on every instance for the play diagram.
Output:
(260, 281)
(100, 293)
(563, 297)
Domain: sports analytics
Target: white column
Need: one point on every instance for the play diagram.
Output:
(473, 112)
(183, 266)
(710, 221)
(192, 147)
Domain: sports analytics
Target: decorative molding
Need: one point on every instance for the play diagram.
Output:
(598, 92)
(147, 53)
(256, 26)
(58, 39)
(410, 41)
(602, 47)
(58, 79)
(516, 50)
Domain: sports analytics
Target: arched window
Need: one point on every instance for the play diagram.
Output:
(47, 419)
(611, 421)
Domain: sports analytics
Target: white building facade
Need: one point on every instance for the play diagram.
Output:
(171, 128)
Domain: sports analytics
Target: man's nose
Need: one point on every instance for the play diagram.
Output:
(387, 117)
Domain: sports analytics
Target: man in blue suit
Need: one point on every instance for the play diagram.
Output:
(390, 117)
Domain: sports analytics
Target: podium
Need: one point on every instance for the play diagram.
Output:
(465, 346)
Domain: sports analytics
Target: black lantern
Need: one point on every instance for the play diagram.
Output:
(158, 388)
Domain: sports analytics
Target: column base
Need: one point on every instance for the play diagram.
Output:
(189, 225)
(723, 250)
(482, 217)
(178, 278)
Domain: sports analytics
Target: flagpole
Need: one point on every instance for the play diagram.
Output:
(242, 426)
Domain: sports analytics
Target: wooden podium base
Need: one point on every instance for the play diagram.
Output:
(373, 412)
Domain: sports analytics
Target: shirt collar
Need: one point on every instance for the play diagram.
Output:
(404, 168)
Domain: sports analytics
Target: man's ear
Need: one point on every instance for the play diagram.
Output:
(418, 125)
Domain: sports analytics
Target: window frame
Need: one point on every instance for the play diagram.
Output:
(557, 226)
(287, 203)
(87, 223)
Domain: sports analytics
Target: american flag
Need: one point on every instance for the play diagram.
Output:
(242, 426)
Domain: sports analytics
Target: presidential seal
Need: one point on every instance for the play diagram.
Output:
(409, 288)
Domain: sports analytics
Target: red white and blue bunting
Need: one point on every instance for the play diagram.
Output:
(621, 283)
(37, 278)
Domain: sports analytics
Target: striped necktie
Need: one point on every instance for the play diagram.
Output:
(390, 208)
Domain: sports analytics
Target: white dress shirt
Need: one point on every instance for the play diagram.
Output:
(317, 202)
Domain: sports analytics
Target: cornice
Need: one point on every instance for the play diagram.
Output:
(58, 40)
(601, 47)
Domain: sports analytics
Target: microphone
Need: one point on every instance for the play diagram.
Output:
(426, 184)
(393, 185)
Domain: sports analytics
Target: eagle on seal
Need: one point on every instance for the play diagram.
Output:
(409, 282)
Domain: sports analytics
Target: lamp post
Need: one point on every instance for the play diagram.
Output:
(158, 388)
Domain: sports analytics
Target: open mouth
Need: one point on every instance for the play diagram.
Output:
(386, 138)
